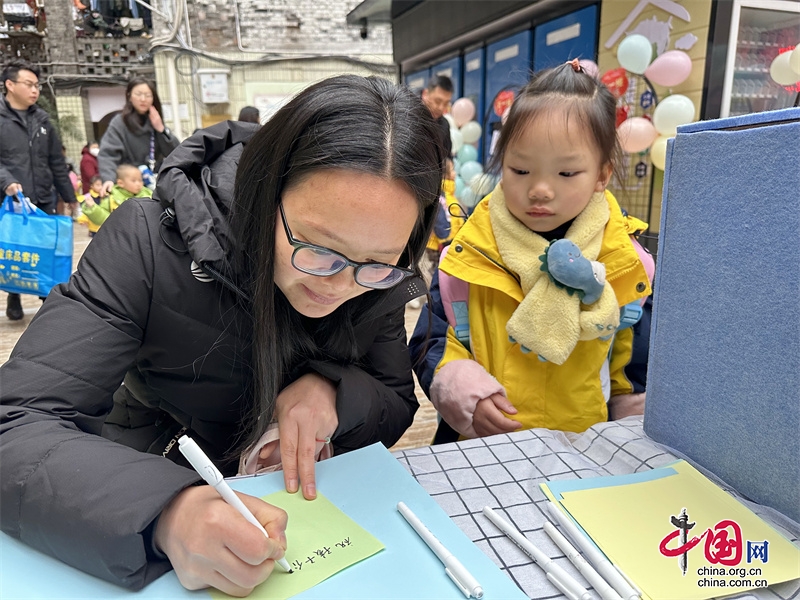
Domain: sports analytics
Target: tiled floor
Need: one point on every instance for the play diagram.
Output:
(420, 433)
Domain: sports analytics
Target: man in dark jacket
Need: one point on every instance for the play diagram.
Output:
(31, 160)
(437, 98)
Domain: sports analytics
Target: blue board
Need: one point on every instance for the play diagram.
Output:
(562, 39)
(724, 367)
(474, 74)
(508, 68)
(417, 81)
(366, 484)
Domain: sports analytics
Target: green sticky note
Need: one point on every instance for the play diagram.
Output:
(322, 540)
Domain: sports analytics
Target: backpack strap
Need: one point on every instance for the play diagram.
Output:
(455, 301)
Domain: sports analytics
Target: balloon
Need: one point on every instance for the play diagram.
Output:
(469, 198)
(636, 134)
(451, 121)
(658, 152)
(460, 186)
(471, 132)
(672, 111)
(781, 71)
(616, 80)
(590, 68)
(457, 140)
(483, 184)
(634, 53)
(794, 59)
(670, 69)
(456, 164)
(463, 110)
(466, 154)
(470, 169)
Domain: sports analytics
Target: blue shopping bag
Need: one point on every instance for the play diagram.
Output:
(35, 248)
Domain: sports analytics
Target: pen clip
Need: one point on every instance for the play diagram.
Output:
(460, 585)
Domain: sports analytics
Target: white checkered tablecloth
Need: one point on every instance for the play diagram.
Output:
(504, 472)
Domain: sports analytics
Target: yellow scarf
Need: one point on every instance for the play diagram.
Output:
(549, 321)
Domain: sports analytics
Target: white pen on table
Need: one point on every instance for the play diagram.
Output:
(607, 570)
(599, 584)
(468, 585)
(567, 584)
(208, 471)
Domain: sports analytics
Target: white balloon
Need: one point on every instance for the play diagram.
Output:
(672, 111)
(471, 132)
(457, 139)
(794, 59)
(781, 71)
(658, 152)
(482, 184)
(449, 118)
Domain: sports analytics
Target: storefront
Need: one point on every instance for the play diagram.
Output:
(489, 50)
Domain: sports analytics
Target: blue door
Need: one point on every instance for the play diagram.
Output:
(417, 81)
(474, 72)
(508, 68)
(450, 68)
(571, 36)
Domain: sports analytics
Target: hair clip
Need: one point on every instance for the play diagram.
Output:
(575, 64)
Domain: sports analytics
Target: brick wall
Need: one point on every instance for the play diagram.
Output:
(314, 26)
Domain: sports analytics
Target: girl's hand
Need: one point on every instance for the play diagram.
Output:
(489, 418)
(88, 200)
(209, 543)
(155, 120)
(625, 405)
(306, 412)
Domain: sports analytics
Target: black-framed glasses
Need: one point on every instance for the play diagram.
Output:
(29, 84)
(324, 262)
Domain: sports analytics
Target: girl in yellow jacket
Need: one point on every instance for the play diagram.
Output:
(550, 263)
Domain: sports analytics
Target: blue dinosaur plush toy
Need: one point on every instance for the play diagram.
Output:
(569, 269)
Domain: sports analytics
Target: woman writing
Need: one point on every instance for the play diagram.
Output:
(137, 135)
(250, 296)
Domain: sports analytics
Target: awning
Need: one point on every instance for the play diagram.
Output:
(371, 11)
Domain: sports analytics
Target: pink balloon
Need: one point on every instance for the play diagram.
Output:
(590, 68)
(463, 111)
(636, 134)
(669, 69)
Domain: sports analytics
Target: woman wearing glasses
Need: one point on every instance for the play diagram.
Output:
(257, 305)
(137, 135)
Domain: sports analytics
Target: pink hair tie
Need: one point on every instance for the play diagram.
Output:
(575, 64)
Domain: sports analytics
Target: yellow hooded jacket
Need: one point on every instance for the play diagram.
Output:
(568, 397)
(453, 209)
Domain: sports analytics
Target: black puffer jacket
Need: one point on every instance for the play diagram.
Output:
(135, 310)
(30, 154)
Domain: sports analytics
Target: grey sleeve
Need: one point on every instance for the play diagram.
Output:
(112, 150)
(6, 179)
(65, 490)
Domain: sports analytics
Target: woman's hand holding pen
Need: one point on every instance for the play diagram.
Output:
(209, 543)
(490, 417)
(306, 413)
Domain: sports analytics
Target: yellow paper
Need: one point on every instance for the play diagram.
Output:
(629, 523)
(322, 540)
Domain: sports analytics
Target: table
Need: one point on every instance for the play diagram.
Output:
(504, 471)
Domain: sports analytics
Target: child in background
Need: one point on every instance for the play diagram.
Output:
(536, 354)
(95, 195)
(129, 185)
(450, 219)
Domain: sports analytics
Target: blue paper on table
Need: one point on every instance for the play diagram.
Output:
(724, 369)
(35, 248)
(366, 484)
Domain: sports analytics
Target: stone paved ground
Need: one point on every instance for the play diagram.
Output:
(420, 433)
